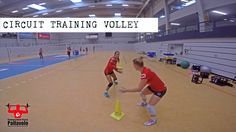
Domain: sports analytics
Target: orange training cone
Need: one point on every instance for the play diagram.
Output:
(117, 114)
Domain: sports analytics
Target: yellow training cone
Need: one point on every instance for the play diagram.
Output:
(117, 114)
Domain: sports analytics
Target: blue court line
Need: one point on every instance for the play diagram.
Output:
(22, 66)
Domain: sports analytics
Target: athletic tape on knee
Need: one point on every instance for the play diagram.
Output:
(151, 110)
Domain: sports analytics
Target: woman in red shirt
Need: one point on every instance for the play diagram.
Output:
(154, 85)
(109, 71)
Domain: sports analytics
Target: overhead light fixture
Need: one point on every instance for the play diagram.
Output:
(37, 7)
(92, 15)
(175, 24)
(59, 11)
(219, 12)
(15, 11)
(189, 3)
(125, 5)
(117, 2)
(26, 8)
(231, 20)
(92, 6)
(184, 0)
(109, 5)
(162, 16)
(225, 19)
(35, 15)
(76, 1)
(45, 14)
(117, 14)
(42, 4)
(75, 8)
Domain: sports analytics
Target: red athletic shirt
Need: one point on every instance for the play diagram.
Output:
(152, 80)
(111, 65)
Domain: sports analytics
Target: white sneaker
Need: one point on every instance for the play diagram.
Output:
(150, 122)
(115, 82)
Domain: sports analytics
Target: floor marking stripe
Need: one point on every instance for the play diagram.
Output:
(3, 69)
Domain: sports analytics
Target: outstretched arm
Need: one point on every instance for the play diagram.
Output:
(141, 85)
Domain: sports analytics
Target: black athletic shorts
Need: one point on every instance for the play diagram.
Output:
(109, 73)
(157, 93)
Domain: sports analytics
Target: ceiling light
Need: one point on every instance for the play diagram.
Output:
(189, 3)
(75, 8)
(44, 14)
(184, 0)
(92, 15)
(116, 1)
(26, 8)
(76, 1)
(15, 11)
(35, 15)
(42, 4)
(92, 6)
(109, 5)
(162, 16)
(175, 24)
(219, 12)
(37, 7)
(59, 11)
(125, 5)
(117, 14)
(231, 20)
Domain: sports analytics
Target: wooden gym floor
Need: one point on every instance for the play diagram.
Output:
(68, 97)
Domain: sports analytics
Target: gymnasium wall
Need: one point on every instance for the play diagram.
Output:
(105, 47)
(219, 54)
(15, 52)
(29, 42)
(59, 41)
(117, 38)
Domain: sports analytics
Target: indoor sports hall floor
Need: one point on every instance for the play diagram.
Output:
(68, 97)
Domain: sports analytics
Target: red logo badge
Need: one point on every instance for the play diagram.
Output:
(18, 110)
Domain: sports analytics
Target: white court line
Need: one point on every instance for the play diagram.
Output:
(3, 69)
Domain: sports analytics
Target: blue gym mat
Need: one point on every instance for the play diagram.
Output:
(22, 66)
